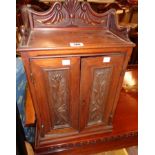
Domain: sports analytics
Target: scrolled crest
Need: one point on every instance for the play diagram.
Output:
(67, 14)
(74, 14)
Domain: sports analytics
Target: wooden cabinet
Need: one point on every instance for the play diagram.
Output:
(75, 61)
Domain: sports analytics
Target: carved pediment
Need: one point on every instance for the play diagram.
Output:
(74, 14)
(70, 13)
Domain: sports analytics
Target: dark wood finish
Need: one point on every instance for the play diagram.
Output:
(63, 79)
(124, 134)
(125, 126)
(70, 14)
(57, 91)
(97, 93)
(29, 109)
(125, 121)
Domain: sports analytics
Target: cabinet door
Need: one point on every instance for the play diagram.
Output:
(99, 81)
(56, 82)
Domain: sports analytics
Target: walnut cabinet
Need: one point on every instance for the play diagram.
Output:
(75, 61)
(78, 95)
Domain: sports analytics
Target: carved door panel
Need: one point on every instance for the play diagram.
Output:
(56, 82)
(99, 81)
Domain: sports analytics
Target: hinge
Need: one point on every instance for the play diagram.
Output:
(42, 126)
(110, 119)
(42, 130)
(31, 76)
(122, 72)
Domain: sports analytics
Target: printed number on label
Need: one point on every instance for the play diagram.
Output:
(76, 44)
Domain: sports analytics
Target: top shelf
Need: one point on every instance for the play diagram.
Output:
(70, 15)
(50, 40)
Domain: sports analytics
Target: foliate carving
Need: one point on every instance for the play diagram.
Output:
(99, 94)
(90, 17)
(59, 95)
(72, 13)
(67, 14)
(53, 16)
(71, 6)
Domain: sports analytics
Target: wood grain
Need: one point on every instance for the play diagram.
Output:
(61, 93)
(29, 109)
(125, 122)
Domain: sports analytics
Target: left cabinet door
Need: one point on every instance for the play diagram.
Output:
(56, 83)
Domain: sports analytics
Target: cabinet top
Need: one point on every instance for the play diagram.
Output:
(46, 40)
(71, 24)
